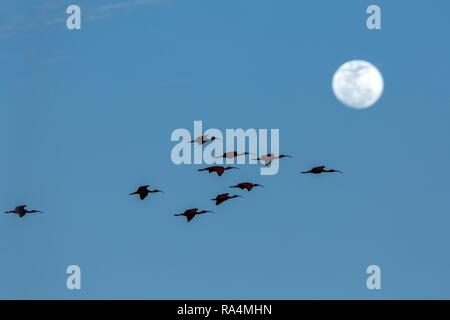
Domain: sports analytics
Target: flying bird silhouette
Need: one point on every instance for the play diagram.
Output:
(203, 139)
(319, 170)
(232, 154)
(224, 197)
(143, 192)
(268, 158)
(246, 185)
(217, 169)
(21, 211)
(191, 213)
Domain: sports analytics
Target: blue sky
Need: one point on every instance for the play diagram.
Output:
(86, 117)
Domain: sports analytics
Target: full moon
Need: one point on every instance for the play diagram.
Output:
(358, 84)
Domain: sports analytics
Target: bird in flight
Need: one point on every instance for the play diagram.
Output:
(224, 197)
(217, 169)
(21, 211)
(247, 185)
(319, 170)
(143, 192)
(191, 213)
(268, 158)
(232, 154)
(203, 139)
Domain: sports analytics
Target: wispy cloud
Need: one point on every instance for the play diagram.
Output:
(51, 14)
(121, 5)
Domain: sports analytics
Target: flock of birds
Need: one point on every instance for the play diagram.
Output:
(144, 191)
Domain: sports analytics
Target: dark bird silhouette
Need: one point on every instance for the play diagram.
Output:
(21, 211)
(319, 170)
(268, 158)
(217, 169)
(224, 197)
(232, 154)
(203, 139)
(143, 192)
(191, 213)
(247, 185)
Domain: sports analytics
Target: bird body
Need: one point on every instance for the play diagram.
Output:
(232, 154)
(203, 139)
(191, 213)
(224, 197)
(21, 211)
(268, 158)
(143, 192)
(217, 169)
(319, 170)
(246, 185)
